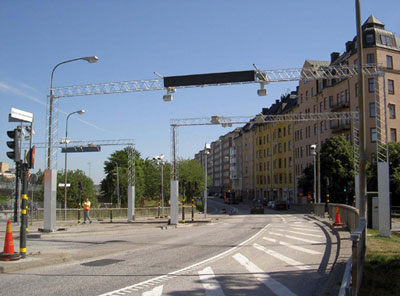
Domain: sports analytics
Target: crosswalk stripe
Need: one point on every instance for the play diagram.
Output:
(263, 277)
(314, 229)
(295, 237)
(306, 234)
(305, 250)
(290, 261)
(157, 291)
(209, 282)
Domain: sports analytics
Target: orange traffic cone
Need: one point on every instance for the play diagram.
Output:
(337, 218)
(8, 253)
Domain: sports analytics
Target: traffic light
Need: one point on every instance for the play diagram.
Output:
(15, 145)
(31, 158)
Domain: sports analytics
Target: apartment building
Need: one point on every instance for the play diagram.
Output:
(273, 149)
(338, 95)
(243, 168)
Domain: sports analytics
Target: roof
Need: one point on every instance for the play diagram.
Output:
(372, 20)
(318, 63)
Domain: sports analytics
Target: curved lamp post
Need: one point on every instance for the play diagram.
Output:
(80, 112)
(89, 59)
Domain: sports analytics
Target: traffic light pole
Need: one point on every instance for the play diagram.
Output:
(17, 191)
(24, 206)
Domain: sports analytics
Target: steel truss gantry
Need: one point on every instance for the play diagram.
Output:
(228, 121)
(129, 143)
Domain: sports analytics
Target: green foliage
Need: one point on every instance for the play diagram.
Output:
(337, 171)
(74, 177)
(394, 171)
(191, 171)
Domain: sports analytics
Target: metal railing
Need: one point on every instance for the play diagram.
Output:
(349, 216)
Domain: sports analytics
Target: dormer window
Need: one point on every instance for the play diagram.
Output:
(370, 38)
(386, 40)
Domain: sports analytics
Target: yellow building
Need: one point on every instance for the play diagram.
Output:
(273, 149)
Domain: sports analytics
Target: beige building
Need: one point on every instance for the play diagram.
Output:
(381, 47)
(243, 162)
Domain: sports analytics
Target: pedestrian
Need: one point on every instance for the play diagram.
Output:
(86, 210)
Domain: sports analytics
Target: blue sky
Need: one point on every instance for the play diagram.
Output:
(135, 38)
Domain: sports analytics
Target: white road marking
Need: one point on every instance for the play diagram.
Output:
(293, 246)
(209, 282)
(174, 273)
(270, 239)
(308, 229)
(295, 237)
(263, 277)
(306, 234)
(157, 291)
(290, 261)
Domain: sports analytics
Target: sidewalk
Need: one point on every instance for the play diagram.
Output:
(40, 255)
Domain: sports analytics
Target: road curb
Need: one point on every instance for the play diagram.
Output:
(34, 261)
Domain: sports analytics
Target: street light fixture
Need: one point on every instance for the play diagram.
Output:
(314, 153)
(159, 160)
(89, 59)
(80, 112)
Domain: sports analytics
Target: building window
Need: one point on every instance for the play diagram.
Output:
(289, 130)
(371, 85)
(393, 135)
(390, 87)
(370, 58)
(389, 62)
(372, 110)
(306, 94)
(392, 111)
(373, 134)
(356, 89)
(370, 38)
(290, 161)
(331, 101)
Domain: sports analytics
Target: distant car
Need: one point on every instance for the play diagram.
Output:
(280, 205)
(265, 201)
(257, 208)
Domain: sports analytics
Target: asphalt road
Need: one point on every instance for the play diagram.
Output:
(278, 253)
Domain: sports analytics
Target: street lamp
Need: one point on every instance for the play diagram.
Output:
(89, 59)
(159, 160)
(207, 149)
(80, 112)
(119, 200)
(314, 153)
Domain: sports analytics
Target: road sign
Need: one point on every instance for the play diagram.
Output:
(62, 185)
(17, 115)
(91, 148)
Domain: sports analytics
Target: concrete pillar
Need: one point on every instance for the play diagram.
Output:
(384, 199)
(174, 201)
(131, 203)
(50, 200)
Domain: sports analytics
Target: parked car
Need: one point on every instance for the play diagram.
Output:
(265, 201)
(280, 205)
(257, 208)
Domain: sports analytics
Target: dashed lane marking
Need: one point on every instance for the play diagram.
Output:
(173, 274)
(263, 277)
(210, 284)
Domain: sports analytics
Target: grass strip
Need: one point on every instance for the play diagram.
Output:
(382, 266)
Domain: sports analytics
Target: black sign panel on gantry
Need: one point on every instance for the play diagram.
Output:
(210, 78)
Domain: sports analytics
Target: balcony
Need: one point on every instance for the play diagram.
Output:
(340, 106)
(341, 128)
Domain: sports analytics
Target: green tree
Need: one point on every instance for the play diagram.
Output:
(337, 171)
(191, 171)
(74, 177)
(394, 172)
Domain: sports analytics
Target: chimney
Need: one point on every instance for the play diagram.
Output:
(334, 56)
(349, 46)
